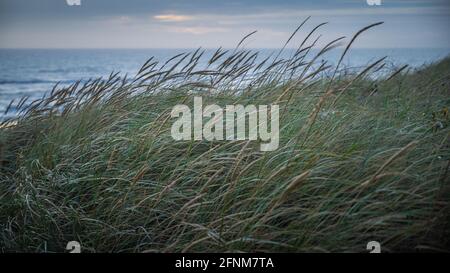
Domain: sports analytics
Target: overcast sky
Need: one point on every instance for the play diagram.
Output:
(208, 23)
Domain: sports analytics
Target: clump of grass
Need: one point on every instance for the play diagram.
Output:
(360, 159)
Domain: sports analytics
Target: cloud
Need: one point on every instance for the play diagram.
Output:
(119, 20)
(280, 15)
(172, 18)
(198, 30)
(180, 23)
(377, 11)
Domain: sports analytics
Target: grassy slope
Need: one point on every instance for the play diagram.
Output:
(109, 175)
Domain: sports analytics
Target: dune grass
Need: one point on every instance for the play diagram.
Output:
(360, 159)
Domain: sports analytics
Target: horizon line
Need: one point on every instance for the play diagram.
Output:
(195, 48)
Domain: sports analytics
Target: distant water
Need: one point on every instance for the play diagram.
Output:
(31, 73)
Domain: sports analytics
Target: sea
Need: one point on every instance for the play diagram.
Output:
(33, 72)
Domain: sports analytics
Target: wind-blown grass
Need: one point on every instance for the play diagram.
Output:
(360, 159)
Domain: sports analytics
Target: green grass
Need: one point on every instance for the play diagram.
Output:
(96, 163)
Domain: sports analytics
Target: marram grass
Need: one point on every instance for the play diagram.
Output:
(361, 158)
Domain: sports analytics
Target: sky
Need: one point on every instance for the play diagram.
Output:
(212, 23)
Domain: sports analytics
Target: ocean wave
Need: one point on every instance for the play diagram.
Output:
(60, 70)
(35, 81)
